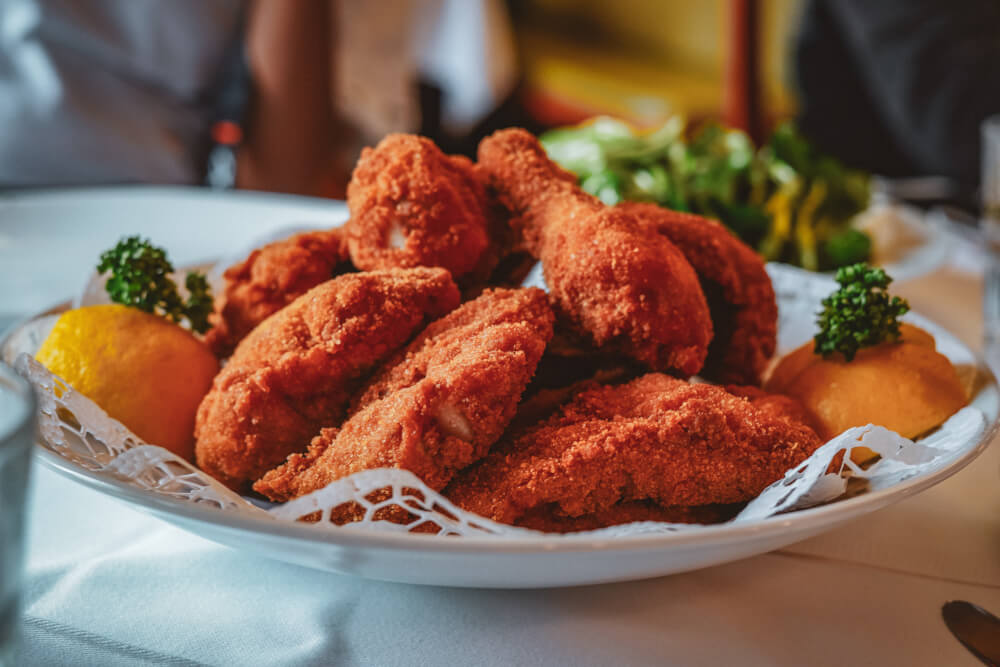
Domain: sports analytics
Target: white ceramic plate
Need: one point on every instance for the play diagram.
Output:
(50, 240)
(534, 561)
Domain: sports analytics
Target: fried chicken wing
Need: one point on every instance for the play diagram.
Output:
(738, 289)
(295, 373)
(623, 286)
(269, 279)
(412, 205)
(655, 439)
(438, 405)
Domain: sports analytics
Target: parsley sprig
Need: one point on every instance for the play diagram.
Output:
(859, 314)
(140, 277)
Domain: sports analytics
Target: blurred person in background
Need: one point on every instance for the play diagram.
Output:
(138, 91)
(900, 87)
(104, 91)
(330, 78)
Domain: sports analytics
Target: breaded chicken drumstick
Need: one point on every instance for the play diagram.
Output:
(621, 285)
(738, 289)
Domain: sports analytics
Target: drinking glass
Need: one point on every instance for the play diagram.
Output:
(991, 181)
(990, 226)
(17, 432)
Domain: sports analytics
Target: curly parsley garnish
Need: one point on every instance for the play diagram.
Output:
(140, 277)
(859, 314)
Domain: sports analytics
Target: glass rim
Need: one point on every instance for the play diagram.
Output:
(11, 382)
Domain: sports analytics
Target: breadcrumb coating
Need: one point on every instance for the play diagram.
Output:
(438, 405)
(412, 205)
(269, 279)
(656, 439)
(736, 284)
(616, 282)
(296, 372)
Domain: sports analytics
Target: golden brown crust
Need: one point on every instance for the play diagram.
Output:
(656, 438)
(623, 286)
(269, 279)
(439, 404)
(776, 405)
(739, 291)
(296, 372)
(482, 321)
(412, 205)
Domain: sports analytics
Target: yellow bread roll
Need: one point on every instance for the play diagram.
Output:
(906, 386)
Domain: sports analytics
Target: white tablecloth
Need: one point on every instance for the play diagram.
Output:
(106, 585)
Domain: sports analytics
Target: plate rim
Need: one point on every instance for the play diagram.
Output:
(542, 543)
(63, 194)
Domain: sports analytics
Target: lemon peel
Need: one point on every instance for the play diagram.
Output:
(144, 371)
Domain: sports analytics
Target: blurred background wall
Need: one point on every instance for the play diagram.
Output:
(642, 60)
(282, 95)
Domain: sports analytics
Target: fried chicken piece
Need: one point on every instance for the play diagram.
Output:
(439, 404)
(269, 279)
(295, 373)
(776, 405)
(656, 438)
(623, 286)
(738, 289)
(412, 205)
